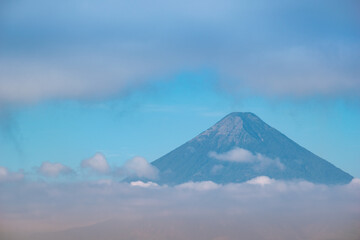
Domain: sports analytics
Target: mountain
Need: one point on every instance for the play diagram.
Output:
(240, 147)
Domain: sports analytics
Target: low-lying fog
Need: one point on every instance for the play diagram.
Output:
(258, 209)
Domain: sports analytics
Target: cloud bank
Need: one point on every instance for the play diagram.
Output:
(8, 176)
(263, 208)
(91, 50)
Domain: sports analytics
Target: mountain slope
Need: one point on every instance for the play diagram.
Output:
(240, 147)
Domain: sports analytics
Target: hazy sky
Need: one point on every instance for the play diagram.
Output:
(92, 91)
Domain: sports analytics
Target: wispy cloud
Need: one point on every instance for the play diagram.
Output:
(216, 169)
(241, 155)
(54, 169)
(234, 155)
(279, 49)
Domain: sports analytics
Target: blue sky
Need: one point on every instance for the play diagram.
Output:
(80, 77)
(155, 120)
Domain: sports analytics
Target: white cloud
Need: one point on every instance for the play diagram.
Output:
(234, 155)
(241, 155)
(139, 167)
(8, 176)
(54, 169)
(97, 163)
(355, 182)
(262, 180)
(143, 184)
(199, 186)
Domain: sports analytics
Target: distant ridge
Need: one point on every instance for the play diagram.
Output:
(240, 147)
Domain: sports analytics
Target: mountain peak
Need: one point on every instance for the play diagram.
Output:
(236, 116)
(236, 127)
(245, 115)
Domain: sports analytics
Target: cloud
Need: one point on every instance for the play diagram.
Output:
(264, 162)
(97, 50)
(234, 155)
(199, 186)
(355, 182)
(96, 163)
(8, 176)
(107, 182)
(54, 169)
(297, 71)
(241, 155)
(138, 167)
(262, 180)
(89, 210)
(144, 184)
